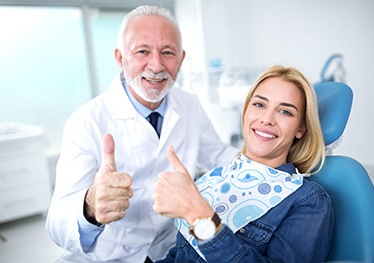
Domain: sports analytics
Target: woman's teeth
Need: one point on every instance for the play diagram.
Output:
(263, 134)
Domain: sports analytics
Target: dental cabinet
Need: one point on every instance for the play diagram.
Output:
(25, 187)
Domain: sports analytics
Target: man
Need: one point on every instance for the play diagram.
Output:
(111, 155)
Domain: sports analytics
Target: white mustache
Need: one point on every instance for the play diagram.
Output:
(156, 76)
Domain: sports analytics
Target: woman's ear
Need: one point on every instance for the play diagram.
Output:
(300, 133)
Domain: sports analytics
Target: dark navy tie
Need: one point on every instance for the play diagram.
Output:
(153, 120)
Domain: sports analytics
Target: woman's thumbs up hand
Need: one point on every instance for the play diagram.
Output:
(176, 194)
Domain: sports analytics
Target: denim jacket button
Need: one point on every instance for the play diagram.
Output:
(242, 230)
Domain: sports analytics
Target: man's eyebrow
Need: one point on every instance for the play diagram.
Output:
(146, 45)
(142, 45)
(282, 103)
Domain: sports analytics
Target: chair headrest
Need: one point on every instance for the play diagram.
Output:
(334, 106)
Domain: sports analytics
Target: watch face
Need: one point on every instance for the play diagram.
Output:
(204, 229)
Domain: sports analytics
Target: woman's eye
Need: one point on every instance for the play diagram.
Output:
(286, 112)
(258, 104)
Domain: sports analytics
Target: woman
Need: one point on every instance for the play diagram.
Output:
(259, 208)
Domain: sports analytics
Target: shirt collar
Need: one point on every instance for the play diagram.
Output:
(288, 168)
(144, 111)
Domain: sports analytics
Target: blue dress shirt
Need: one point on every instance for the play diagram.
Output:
(144, 111)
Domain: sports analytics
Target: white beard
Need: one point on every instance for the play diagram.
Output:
(149, 95)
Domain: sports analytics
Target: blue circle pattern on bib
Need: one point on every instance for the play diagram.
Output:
(242, 192)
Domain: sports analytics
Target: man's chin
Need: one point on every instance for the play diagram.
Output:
(149, 95)
(154, 99)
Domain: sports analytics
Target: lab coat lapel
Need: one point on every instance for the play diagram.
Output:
(126, 117)
(170, 120)
(122, 107)
(124, 110)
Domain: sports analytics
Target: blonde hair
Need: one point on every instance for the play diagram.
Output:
(307, 153)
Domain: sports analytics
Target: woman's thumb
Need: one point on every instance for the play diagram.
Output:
(175, 162)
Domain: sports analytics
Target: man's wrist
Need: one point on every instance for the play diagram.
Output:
(90, 217)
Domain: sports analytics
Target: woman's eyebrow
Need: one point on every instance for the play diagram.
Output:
(282, 103)
(261, 97)
(289, 105)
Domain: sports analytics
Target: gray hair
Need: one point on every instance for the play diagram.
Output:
(145, 11)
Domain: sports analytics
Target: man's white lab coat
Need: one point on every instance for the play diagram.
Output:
(140, 153)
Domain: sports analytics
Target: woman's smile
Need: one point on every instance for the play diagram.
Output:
(264, 135)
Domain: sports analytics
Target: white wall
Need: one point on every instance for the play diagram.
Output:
(300, 33)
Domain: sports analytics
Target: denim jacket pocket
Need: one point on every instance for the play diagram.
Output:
(256, 235)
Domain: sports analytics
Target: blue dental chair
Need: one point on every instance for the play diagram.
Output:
(346, 181)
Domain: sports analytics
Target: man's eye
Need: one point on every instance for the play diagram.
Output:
(142, 52)
(168, 53)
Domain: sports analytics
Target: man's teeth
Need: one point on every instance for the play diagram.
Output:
(264, 134)
(154, 81)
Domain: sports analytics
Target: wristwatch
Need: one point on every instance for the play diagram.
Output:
(205, 228)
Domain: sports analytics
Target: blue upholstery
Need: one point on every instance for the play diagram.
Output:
(346, 181)
(352, 195)
(334, 105)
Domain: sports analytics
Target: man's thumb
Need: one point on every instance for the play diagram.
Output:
(108, 163)
(175, 162)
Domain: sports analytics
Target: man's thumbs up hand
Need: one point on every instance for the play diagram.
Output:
(108, 164)
(108, 197)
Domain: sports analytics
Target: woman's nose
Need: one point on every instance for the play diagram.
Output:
(268, 118)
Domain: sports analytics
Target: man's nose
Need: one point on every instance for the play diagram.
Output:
(155, 63)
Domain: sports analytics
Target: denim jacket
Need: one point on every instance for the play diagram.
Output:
(299, 229)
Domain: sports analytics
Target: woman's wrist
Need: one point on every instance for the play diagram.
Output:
(200, 209)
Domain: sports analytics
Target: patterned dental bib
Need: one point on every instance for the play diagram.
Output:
(242, 192)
